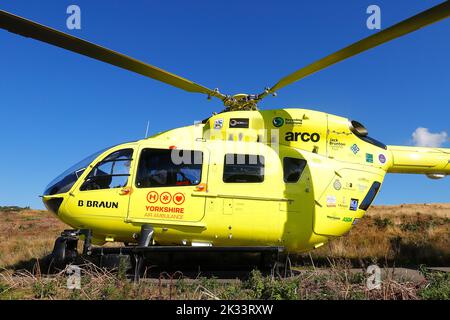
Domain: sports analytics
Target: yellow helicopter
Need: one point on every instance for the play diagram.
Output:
(285, 178)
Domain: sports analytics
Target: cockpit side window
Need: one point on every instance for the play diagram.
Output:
(65, 181)
(169, 168)
(243, 168)
(293, 169)
(112, 172)
(365, 204)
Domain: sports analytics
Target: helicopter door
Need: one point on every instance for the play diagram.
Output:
(104, 193)
(165, 186)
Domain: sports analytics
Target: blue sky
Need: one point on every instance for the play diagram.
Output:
(57, 107)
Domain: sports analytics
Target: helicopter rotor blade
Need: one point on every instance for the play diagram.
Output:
(30, 29)
(427, 17)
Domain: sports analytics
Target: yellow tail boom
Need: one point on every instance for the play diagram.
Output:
(419, 160)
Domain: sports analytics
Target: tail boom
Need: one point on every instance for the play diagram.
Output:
(419, 160)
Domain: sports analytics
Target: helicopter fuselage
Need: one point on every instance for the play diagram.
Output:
(287, 177)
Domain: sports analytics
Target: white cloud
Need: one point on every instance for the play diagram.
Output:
(424, 138)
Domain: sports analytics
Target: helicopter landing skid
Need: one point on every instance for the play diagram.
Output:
(224, 262)
(144, 260)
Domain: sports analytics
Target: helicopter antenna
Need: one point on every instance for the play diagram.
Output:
(146, 130)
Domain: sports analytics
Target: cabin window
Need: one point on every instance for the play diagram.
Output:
(292, 169)
(365, 204)
(169, 168)
(111, 172)
(243, 168)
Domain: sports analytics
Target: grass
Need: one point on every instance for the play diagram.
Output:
(13, 208)
(339, 283)
(408, 235)
(394, 235)
(437, 286)
(26, 235)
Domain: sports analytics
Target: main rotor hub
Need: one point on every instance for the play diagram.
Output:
(241, 101)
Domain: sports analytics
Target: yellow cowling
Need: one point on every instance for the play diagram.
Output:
(419, 160)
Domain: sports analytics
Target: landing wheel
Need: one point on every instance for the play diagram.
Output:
(64, 252)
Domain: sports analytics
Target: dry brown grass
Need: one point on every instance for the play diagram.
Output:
(407, 234)
(417, 233)
(27, 234)
(98, 284)
(435, 209)
(411, 234)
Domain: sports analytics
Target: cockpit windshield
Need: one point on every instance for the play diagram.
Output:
(65, 181)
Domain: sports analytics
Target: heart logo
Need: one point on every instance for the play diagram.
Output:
(178, 198)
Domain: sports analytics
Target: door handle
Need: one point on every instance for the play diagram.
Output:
(125, 191)
(201, 187)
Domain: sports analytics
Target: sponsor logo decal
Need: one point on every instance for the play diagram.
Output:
(303, 136)
(355, 149)
(331, 201)
(362, 187)
(178, 198)
(347, 219)
(165, 198)
(165, 210)
(294, 122)
(152, 197)
(382, 158)
(218, 124)
(277, 122)
(349, 186)
(333, 218)
(335, 144)
(337, 185)
(343, 203)
(354, 204)
(369, 157)
(239, 123)
(98, 204)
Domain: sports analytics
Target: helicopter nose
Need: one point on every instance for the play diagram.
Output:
(52, 203)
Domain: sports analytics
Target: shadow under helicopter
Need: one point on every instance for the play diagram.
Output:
(405, 255)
